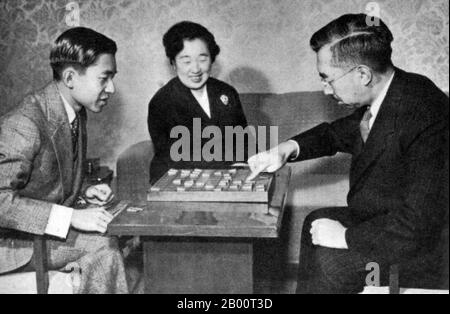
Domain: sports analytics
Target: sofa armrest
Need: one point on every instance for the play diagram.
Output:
(133, 171)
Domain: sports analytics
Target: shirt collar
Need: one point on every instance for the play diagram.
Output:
(71, 114)
(376, 104)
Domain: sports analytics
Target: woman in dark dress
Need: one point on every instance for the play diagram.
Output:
(191, 102)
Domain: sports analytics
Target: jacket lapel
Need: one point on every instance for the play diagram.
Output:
(216, 104)
(78, 171)
(382, 130)
(60, 136)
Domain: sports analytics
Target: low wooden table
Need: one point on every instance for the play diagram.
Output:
(192, 249)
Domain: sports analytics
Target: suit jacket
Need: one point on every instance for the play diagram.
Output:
(174, 105)
(399, 178)
(37, 170)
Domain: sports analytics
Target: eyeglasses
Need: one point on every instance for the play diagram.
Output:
(330, 82)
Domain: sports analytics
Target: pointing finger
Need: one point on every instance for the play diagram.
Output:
(255, 173)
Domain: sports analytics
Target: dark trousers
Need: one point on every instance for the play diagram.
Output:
(332, 271)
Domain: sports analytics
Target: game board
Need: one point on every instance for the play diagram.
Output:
(211, 185)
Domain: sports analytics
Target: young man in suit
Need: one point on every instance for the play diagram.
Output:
(398, 137)
(42, 150)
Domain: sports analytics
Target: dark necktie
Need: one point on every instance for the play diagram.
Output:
(364, 126)
(75, 129)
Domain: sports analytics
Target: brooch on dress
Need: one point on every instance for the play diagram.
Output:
(225, 100)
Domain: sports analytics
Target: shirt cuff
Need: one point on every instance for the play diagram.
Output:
(59, 222)
(297, 151)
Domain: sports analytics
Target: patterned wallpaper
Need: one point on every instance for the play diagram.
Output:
(264, 48)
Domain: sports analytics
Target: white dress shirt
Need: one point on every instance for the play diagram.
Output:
(203, 100)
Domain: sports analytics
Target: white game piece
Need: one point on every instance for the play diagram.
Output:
(134, 209)
(189, 183)
(172, 172)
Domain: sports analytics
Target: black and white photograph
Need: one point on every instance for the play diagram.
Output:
(224, 152)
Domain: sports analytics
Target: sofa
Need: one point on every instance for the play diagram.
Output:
(314, 184)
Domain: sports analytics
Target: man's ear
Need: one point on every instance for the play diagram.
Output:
(68, 76)
(365, 74)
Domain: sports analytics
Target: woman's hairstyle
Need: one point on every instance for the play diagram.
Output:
(356, 39)
(79, 47)
(173, 40)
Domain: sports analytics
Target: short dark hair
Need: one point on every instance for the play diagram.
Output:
(173, 40)
(79, 47)
(355, 41)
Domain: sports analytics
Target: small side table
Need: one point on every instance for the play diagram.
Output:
(191, 249)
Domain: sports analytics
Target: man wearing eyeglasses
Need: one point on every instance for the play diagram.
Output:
(398, 138)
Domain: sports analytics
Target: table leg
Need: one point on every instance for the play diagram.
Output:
(198, 266)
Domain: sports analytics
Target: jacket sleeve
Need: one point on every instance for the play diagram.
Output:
(327, 139)
(415, 220)
(159, 130)
(157, 124)
(19, 145)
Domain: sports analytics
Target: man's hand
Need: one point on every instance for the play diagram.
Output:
(91, 220)
(99, 194)
(272, 160)
(328, 233)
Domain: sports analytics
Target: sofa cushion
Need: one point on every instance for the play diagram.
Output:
(133, 170)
